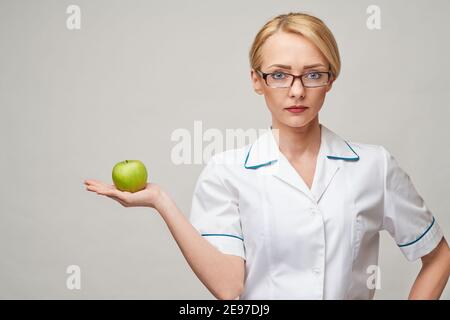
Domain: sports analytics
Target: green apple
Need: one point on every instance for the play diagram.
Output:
(129, 175)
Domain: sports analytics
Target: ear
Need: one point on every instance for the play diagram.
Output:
(256, 82)
(330, 85)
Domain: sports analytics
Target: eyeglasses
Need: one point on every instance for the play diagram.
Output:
(312, 79)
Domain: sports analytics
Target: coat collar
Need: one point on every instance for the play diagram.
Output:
(264, 156)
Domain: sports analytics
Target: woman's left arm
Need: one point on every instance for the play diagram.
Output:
(434, 274)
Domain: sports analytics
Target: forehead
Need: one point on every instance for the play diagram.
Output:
(290, 49)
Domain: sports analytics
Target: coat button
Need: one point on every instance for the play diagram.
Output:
(316, 270)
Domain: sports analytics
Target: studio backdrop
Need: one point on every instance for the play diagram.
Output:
(86, 84)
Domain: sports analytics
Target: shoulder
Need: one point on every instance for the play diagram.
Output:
(230, 158)
(226, 163)
(374, 159)
(220, 173)
(370, 152)
(377, 157)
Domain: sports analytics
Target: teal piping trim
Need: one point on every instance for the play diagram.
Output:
(348, 159)
(423, 234)
(221, 235)
(259, 165)
(273, 161)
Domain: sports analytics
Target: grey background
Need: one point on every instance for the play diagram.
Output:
(73, 103)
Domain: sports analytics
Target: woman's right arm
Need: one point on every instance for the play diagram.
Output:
(222, 274)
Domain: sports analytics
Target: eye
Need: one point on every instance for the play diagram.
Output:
(278, 75)
(313, 75)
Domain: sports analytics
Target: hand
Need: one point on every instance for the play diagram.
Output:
(143, 198)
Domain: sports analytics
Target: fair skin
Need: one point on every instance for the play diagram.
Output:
(299, 134)
(223, 274)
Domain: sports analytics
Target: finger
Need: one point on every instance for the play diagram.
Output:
(100, 191)
(103, 187)
(109, 192)
(91, 188)
(93, 182)
(96, 189)
(89, 182)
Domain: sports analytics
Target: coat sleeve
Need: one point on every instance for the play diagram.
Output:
(215, 212)
(406, 216)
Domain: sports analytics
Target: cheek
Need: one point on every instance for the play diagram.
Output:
(273, 99)
(317, 96)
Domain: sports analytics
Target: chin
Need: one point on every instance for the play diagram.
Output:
(297, 121)
(294, 120)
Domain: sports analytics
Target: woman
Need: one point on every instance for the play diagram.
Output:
(297, 213)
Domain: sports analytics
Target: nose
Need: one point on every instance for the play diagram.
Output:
(297, 89)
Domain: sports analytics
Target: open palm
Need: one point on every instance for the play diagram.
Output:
(143, 198)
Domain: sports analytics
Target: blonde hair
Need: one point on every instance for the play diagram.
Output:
(303, 24)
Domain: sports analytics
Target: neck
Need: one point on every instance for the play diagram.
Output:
(298, 142)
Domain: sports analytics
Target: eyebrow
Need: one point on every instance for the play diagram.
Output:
(289, 67)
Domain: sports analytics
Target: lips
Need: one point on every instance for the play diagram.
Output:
(296, 109)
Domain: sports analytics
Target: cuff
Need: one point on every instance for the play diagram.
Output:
(226, 243)
(424, 244)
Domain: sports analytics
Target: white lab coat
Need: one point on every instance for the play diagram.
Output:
(310, 244)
